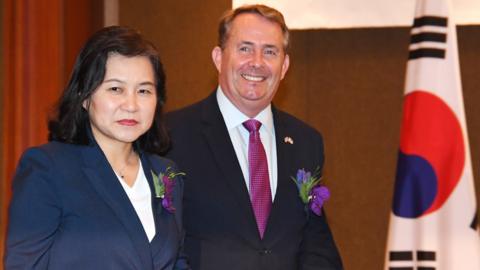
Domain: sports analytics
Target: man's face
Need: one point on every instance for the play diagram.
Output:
(252, 63)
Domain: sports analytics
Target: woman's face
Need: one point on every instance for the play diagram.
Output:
(122, 107)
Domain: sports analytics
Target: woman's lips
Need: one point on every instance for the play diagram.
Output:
(127, 122)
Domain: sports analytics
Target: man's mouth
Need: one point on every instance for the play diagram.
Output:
(253, 78)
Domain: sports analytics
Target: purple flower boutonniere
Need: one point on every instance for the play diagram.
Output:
(163, 183)
(310, 190)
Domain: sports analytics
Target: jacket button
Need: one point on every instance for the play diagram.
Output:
(265, 251)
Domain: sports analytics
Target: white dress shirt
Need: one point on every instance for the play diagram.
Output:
(141, 199)
(239, 136)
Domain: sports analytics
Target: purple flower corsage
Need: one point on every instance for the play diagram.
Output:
(163, 184)
(311, 192)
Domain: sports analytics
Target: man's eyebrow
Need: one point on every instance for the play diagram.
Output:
(245, 42)
(271, 46)
(264, 46)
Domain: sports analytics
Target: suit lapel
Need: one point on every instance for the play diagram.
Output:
(218, 139)
(275, 229)
(164, 220)
(105, 182)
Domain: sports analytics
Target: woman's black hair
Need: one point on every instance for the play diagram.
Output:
(70, 123)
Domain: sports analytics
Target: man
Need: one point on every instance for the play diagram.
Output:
(241, 208)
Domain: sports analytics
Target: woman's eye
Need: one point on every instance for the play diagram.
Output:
(145, 91)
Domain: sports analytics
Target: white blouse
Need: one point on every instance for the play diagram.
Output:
(141, 199)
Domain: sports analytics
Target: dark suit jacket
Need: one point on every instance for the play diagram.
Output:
(68, 211)
(221, 231)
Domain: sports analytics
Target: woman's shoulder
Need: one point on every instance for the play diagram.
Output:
(54, 149)
(51, 153)
(47, 161)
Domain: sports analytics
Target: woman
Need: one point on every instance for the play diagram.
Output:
(97, 196)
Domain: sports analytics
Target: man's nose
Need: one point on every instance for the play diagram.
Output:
(257, 59)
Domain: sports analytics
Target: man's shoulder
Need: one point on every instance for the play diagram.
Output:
(185, 112)
(291, 122)
(188, 112)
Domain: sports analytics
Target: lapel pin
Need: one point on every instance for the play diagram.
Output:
(288, 140)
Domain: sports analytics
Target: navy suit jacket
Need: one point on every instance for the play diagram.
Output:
(221, 231)
(69, 211)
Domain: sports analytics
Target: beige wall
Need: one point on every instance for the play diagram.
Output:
(346, 83)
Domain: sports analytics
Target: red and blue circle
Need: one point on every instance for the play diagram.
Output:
(431, 158)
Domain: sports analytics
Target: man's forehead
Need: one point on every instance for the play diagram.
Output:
(254, 30)
(252, 19)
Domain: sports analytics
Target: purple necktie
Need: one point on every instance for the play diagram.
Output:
(260, 194)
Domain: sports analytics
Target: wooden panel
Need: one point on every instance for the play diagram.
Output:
(39, 42)
(185, 35)
(32, 71)
(80, 20)
(357, 106)
(469, 47)
(5, 20)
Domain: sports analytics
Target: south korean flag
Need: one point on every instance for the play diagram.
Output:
(433, 223)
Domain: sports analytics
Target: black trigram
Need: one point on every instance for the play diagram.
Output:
(429, 37)
(405, 260)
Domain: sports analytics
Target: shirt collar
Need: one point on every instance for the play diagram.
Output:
(236, 117)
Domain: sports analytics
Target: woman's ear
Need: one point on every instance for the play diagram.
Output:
(86, 104)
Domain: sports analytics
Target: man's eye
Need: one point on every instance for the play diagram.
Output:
(244, 49)
(270, 52)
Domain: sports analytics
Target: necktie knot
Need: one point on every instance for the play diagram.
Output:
(252, 125)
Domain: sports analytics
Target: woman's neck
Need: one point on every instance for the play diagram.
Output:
(123, 160)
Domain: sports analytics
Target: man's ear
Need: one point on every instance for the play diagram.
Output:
(217, 57)
(285, 65)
